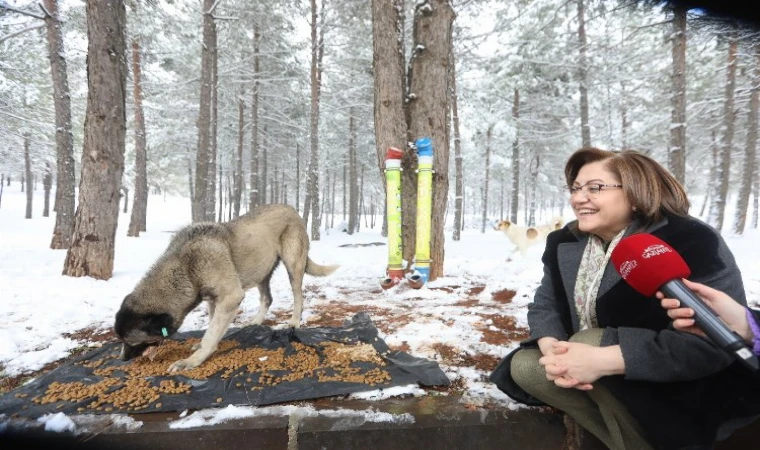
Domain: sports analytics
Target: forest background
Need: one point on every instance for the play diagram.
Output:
(235, 103)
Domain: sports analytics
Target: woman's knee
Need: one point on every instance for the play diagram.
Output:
(591, 336)
(525, 369)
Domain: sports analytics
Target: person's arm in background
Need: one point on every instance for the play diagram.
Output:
(740, 319)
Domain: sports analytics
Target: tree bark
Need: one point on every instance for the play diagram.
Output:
(459, 173)
(317, 51)
(583, 75)
(389, 87)
(203, 151)
(515, 203)
(238, 178)
(64, 138)
(487, 168)
(92, 247)
(213, 127)
(748, 168)
(718, 207)
(28, 177)
(137, 221)
(353, 188)
(47, 183)
(254, 199)
(429, 110)
(677, 150)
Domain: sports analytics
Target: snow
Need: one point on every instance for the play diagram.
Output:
(41, 309)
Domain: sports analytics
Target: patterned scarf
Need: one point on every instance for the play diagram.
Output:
(590, 273)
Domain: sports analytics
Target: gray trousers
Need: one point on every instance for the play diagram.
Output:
(597, 410)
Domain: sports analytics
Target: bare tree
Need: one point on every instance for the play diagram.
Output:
(429, 110)
(317, 52)
(677, 150)
(583, 75)
(92, 247)
(254, 198)
(515, 203)
(718, 206)
(750, 149)
(28, 176)
(47, 184)
(203, 151)
(487, 178)
(390, 81)
(459, 173)
(353, 187)
(237, 192)
(64, 138)
(137, 221)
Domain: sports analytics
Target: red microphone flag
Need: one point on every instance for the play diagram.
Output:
(646, 263)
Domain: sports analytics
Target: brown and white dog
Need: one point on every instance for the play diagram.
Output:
(524, 237)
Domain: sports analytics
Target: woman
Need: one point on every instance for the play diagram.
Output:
(602, 352)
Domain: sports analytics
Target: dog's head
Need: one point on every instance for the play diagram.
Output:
(141, 333)
(502, 225)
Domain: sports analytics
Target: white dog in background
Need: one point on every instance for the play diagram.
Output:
(525, 237)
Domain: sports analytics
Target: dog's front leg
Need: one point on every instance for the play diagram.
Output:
(224, 313)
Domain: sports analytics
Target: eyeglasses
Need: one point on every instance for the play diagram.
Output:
(591, 190)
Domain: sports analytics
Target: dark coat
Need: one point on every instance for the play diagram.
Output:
(677, 385)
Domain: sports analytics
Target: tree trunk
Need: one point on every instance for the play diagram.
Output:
(124, 192)
(254, 199)
(484, 214)
(748, 168)
(718, 206)
(317, 50)
(2, 184)
(200, 205)
(92, 247)
(515, 204)
(64, 138)
(583, 76)
(213, 127)
(137, 221)
(353, 188)
(298, 177)
(677, 150)
(190, 177)
(389, 88)
(459, 173)
(429, 110)
(47, 183)
(238, 177)
(28, 177)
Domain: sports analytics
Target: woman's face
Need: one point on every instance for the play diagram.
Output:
(604, 213)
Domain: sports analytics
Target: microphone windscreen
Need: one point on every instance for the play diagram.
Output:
(647, 262)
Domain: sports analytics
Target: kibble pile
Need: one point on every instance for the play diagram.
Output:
(132, 386)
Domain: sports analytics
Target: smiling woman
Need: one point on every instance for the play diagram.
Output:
(603, 353)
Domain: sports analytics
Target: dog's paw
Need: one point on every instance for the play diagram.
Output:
(195, 346)
(294, 323)
(183, 364)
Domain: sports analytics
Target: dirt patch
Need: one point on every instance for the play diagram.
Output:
(481, 361)
(475, 290)
(507, 330)
(504, 296)
(92, 334)
(448, 354)
(469, 303)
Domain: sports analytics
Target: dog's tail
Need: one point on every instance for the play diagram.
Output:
(319, 270)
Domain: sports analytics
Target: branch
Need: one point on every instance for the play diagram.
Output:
(4, 6)
(12, 35)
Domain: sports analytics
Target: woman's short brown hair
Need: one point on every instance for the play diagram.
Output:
(650, 188)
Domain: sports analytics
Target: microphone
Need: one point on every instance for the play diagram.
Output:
(647, 264)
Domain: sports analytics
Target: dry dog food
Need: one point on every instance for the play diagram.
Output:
(128, 387)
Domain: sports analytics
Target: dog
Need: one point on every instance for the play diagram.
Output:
(216, 263)
(525, 237)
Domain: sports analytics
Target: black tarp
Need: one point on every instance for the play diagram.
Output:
(403, 368)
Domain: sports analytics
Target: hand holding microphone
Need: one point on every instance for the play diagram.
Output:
(648, 264)
(727, 309)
